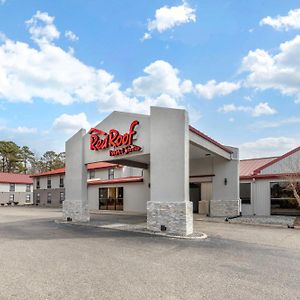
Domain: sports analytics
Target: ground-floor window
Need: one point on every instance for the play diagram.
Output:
(283, 201)
(49, 198)
(245, 193)
(61, 197)
(11, 198)
(27, 200)
(111, 198)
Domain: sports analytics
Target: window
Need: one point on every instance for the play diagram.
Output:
(38, 198)
(38, 183)
(61, 181)
(245, 193)
(27, 200)
(49, 198)
(111, 173)
(28, 188)
(11, 198)
(49, 183)
(282, 198)
(92, 174)
(61, 197)
(12, 187)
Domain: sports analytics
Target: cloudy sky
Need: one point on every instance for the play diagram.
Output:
(234, 65)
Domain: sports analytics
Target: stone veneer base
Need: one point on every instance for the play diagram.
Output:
(224, 208)
(76, 210)
(176, 216)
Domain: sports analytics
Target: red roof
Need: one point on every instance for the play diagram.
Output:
(116, 180)
(257, 171)
(100, 165)
(92, 166)
(53, 172)
(248, 166)
(209, 139)
(15, 178)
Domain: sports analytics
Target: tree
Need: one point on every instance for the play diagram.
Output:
(52, 160)
(10, 156)
(292, 175)
(27, 157)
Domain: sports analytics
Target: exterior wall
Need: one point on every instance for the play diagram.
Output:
(55, 191)
(260, 198)
(290, 164)
(226, 197)
(55, 197)
(136, 195)
(202, 166)
(118, 172)
(19, 194)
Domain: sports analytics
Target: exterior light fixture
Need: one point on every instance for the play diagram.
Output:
(225, 181)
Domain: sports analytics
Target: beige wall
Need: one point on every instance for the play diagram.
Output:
(136, 195)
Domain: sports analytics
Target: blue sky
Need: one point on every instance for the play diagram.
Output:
(234, 65)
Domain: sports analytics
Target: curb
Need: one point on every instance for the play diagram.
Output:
(200, 236)
(251, 224)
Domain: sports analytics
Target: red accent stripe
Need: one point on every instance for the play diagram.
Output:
(269, 176)
(258, 170)
(116, 180)
(209, 139)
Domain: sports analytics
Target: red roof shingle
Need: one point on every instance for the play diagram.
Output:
(116, 180)
(248, 166)
(15, 178)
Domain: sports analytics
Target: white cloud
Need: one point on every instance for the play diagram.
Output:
(146, 36)
(161, 78)
(71, 123)
(280, 71)
(71, 36)
(260, 109)
(53, 74)
(24, 130)
(291, 21)
(42, 29)
(277, 123)
(17, 130)
(213, 89)
(169, 17)
(270, 146)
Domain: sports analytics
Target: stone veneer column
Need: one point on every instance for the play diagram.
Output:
(169, 203)
(75, 205)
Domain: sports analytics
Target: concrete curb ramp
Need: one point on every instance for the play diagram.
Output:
(139, 228)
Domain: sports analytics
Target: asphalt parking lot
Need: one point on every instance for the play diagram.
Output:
(40, 259)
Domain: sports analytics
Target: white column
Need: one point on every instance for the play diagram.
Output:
(169, 203)
(75, 205)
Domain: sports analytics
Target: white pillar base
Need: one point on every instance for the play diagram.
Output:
(224, 208)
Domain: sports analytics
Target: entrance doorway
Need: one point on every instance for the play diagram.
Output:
(195, 196)
(111, 198)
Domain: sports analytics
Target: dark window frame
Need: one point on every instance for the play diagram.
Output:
(61, 181)
(49, 182)
(12, 187)
(49, 198)
(61, 197)
(246, 200)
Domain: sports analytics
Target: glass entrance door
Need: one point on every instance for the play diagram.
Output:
(111, 198)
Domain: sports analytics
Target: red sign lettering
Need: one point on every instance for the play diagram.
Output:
(100, 140)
